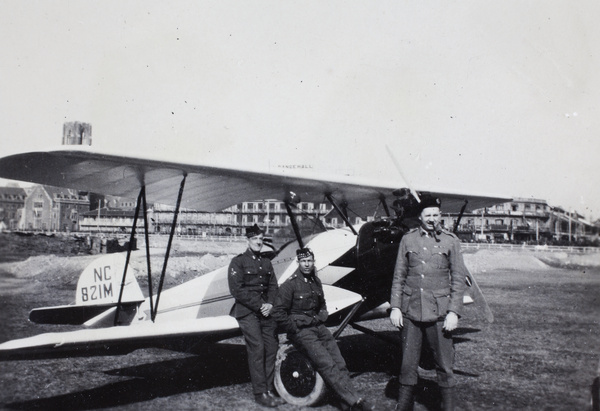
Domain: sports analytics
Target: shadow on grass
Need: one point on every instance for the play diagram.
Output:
(154, 380)
(218, 365)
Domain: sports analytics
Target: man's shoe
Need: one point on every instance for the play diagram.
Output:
(264, 400)
(276, 398)
(363, 405)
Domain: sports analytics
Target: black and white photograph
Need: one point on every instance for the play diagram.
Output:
(320, 205)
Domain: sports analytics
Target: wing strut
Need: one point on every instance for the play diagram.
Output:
(384, 204)
(346, 320)
(462, 211)
(173, 227)
(294, 223)
(341, 212)
(141, 195)
(150, 294)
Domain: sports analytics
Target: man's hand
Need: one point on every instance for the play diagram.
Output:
(451, 321)
(396, 318)
(265, 309)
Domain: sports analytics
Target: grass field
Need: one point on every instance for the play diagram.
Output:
(541, 353)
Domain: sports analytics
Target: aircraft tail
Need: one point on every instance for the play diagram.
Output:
(97, 291)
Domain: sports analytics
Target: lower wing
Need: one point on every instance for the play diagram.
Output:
(182, 335)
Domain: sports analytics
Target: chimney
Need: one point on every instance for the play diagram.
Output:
(76, 133)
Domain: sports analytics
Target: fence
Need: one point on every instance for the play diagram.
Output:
(545, 248)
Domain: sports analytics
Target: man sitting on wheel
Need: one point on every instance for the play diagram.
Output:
(300, 310)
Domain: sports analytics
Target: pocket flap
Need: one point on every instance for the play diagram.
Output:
(444, 292)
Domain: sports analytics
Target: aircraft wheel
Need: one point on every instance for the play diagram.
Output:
(296, 380)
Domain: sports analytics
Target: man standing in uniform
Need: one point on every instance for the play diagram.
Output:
(301, 311)
(427, 299)
(253, 285)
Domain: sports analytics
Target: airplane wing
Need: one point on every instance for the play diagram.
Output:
(207, 188)
(121, 340)
(185, 334)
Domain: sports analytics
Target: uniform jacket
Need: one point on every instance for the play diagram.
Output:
(429, 279)
(300, 303)
(252, 282)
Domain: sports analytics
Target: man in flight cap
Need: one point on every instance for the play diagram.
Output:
(301, 311)
(253, 285)
(427, 300)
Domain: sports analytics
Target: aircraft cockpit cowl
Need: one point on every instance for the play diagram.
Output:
(373, 259)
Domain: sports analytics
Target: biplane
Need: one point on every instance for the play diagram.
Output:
(355, 263)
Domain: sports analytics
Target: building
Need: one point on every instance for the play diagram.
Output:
(77, 133)
(109, 220)
(12, 202)
(523, 220)
(271, 215)
(53, 209)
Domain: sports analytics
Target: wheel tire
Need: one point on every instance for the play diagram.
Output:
(296, 380)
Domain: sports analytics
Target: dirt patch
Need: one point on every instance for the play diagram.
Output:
(488, 260)
(572, 261)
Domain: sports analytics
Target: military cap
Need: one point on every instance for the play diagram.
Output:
(253, 231)
(429, 201)
(304, 253)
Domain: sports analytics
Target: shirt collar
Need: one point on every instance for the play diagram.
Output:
(424, 232)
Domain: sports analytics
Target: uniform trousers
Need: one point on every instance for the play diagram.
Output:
(317, 343)
(260, 334)
(441, 344)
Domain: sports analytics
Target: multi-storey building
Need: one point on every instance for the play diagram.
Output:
(109, 220)
(190, 222)
(12, 201)
(53, 209)
(271, 215)
(522, 220)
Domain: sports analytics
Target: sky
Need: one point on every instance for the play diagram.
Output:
(490, 97)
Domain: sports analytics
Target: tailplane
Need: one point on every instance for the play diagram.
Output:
(98, 290)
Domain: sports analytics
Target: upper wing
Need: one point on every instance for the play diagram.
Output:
(207, 188)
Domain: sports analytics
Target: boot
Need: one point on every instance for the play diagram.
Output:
(448, 399)
(276, 399)
(405, 398)
(265, 400)
(362, 405)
